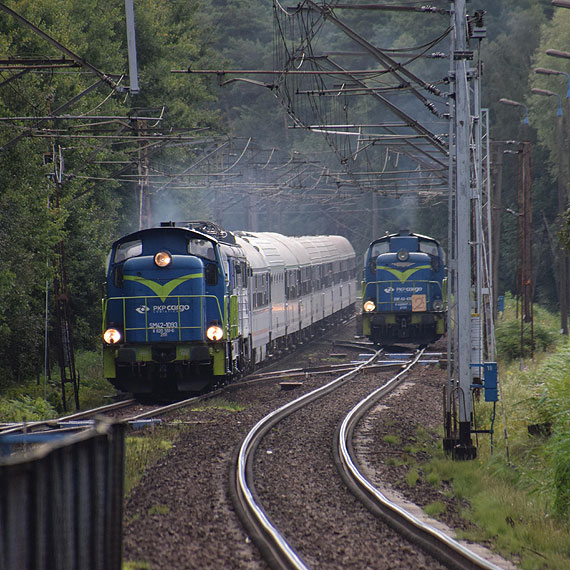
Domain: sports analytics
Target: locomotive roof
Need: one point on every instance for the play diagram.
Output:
(193, 228)
(404, 233)
(210, 229)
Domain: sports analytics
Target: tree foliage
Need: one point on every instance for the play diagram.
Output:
(60, 185)
(64, 180)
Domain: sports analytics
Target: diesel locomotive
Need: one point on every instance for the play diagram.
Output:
(189, 306)
(404, 296)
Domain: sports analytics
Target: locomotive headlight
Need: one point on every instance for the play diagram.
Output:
(437, 305)
(215, 333)
(403, 255)
(112, 336)
(163, 258)
(369, 306)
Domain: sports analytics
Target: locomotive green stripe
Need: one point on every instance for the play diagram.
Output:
(163, 291)
(403, 276)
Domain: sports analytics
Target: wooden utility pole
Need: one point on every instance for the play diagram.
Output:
(527, 279)
(143, 184)
(563, 258)
(496, 200)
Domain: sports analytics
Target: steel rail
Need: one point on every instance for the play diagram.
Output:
(436, 542)
(175, 406)
(41, 424)
(275, 548)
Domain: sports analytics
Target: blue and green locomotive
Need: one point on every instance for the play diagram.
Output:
(164, 299)
(404, 290)
(189, 306)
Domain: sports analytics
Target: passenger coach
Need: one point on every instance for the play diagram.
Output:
(189, 306)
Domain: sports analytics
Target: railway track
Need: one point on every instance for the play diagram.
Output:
(269, 540)
(269, 382)
(438, 543)
(42, 425)
(86, 418)
(276, 548)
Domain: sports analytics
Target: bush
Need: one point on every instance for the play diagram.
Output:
(554, 411)
(508, 335)
(26, 409)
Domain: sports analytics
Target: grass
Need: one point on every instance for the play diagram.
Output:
(518, 494)
(143, 451)
(412, 476)
(218, 404)
(159, 510)
(392, 439)
(136, 566)
(434, 509)
(517, 522)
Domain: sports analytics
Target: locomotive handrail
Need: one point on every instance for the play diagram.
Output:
(428, 284)
(178, 299)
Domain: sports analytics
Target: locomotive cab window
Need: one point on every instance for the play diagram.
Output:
(127, 249)
(201, 248)
(379, 249)
(428, 247)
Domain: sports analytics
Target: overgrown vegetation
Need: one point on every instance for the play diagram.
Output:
(42, 399)
(218, 404)
(519, 492)
(143, 451)
(517, 338)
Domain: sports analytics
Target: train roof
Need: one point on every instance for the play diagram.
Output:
(321, 248)
(293, 244)
(276, 252)
(343, 246)
(254, 255)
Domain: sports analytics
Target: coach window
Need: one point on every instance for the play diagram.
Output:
(336, 272)
(328, 275)
(128, 249)
(293, 283)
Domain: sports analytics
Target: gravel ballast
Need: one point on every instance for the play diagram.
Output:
(180, 516)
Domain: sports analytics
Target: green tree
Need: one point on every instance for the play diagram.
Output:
(63, 179)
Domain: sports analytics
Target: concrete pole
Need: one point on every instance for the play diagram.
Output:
(132, 47)
(464, 447)
(477, 320)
